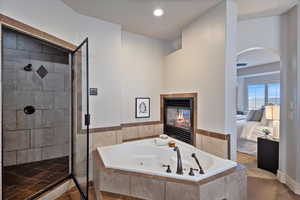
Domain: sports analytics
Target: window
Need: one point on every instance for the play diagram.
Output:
(256, 96)
(274, 93)
(264, 94)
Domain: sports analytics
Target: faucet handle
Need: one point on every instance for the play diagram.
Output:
(201, 171)
(168, 168)
(192, 171)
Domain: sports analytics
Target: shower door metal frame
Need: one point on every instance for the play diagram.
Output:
(86, 121)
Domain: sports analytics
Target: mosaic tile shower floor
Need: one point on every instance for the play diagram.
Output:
(23, 181)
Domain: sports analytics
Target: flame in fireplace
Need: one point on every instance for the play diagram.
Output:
(180, 116)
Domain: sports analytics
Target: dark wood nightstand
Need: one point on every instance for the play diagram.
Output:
(268, 154)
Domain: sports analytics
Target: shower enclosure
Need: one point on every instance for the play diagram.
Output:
(45, 116)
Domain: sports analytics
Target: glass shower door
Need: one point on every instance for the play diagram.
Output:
(81, 118)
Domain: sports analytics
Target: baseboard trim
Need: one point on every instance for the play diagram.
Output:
(126, 125)
(281, 176)
(141, 138)
(213, 134)
(58, 191)
(287, 180)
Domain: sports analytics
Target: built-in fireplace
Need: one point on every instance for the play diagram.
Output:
(178, 118)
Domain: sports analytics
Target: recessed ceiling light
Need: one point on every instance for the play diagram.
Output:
(158, 12)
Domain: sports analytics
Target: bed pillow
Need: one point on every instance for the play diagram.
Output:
(250, 115)
(264, 120)
(257, 116)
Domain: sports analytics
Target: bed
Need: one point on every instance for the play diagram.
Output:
(248, 132)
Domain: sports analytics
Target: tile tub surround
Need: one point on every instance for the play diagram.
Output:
(44, 134)
(145, 157)
(231, 184)
(126, 132)
(213, 143)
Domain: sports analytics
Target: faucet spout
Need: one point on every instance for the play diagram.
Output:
(179, 162)
(198, 163)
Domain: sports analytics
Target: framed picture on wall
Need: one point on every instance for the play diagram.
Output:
(142, 107)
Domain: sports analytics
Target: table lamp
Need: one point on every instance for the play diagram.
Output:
(273, 114)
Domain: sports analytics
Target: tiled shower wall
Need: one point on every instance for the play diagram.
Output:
(44, 134)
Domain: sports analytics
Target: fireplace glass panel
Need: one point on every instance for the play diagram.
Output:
(179, 117)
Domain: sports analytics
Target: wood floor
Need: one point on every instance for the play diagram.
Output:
(262, 185)
(73, 194)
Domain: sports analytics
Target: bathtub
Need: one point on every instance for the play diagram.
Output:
(146, 157)
(135, 169)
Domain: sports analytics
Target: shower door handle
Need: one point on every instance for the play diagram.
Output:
(87, 119)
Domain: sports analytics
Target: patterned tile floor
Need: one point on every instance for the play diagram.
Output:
(23, 181)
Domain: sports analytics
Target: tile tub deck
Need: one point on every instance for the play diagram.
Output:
(231, 184)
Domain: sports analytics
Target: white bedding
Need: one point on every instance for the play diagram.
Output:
(247, 146)
(252, 130)
(247, 134)
(241, 117)
(239, 125)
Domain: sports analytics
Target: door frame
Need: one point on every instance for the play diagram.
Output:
(76, 127)
(36, 33)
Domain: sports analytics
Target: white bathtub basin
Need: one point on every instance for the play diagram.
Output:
(146, 157)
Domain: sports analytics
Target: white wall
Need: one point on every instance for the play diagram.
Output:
(231, 75)
(260, 69)
(142, 74)
(259, 57)
(289, 165)
(200, 67)
(240, 94)
(205, 65)
(264, 79)
(259, 32)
